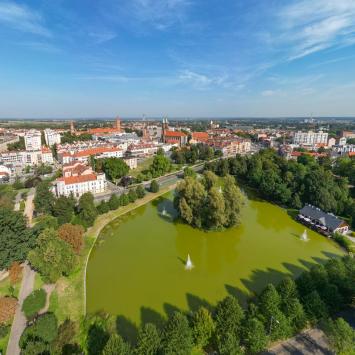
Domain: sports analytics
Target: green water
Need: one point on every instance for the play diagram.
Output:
(136, 269)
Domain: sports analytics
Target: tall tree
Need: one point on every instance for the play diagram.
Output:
(148, 341)
(15, 238)
(254, 336)
(202, 327)
(63, 209)
(44, 198)
(115, 168)
(87, 211)
(73, 235)
(116, 346)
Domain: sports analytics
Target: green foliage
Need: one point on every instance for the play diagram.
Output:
(64, 343)
(132, 195)
(202, 327)
(4, 330)
(114, 168)
(192, 154)
(341, 336)
(15, 238)
(34, 302)
(44, 222)
(160, 166)
(19, 145)
(87, 211)
(103, 207)
(44, 199)
(254, 336)
(148, 341)
(344, 242)
(189, 172)
(52, 257)
(44, 329)
(67, 137)
(228, 318)
(124, 200)
(205, 205)
(63, 209)
(116, 346)
(114, 202)
(177, 336)
(35, 347)
(18, 184)
(140, 191)
(43, 169)
(154, 186)
(315, 307)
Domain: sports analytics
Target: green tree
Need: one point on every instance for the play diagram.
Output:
(148, 341)
(87, 211)
(132, 195)
(202, 327)
(52, 257)
(189, 172)
(63, 209)
(15, 238)
(177, 337)
(228, 318)
(215, 213)
(228, 344)
(64, 343)
(124, 200)
(154, 186)
(140, 191)
(44, 198)
(254, 336)
(43, 222)
(115, 168)
(234, 200)
(315, 307)
(114, 202)
(103, 207)
(160, 166)
(209, 180)
(341, 336)
(116, 346)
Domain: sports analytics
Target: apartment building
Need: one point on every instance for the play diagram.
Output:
(33, 140)
(310, 138)
(52, 137)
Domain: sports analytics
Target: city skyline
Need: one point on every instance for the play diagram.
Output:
(181, 58)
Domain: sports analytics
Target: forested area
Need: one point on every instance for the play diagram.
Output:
(194, 153)
(290, 183)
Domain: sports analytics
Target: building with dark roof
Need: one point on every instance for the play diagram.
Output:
(317, 219)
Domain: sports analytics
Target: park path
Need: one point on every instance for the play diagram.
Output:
(17, 201)
(19, 322)
(29, 207)
(49, 288)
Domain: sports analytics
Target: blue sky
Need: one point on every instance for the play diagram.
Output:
(181, 58)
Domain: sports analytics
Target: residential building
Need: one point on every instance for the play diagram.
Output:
(131, 162)
(107, 130)
(348, 134)
(52, 137)
(80, 184)
(310, 138)
(231, 147)
(23, 158)
(33, 140)
(199, 137)
(175, 137)
(317, 219)
(142, 149)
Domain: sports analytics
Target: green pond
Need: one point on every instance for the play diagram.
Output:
(137, 267)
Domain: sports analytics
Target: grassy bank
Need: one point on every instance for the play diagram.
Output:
(68, 299)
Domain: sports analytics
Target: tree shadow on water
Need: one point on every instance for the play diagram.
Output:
(195, 302)
(170, 309)
(96, 339)
(127, 329)
(149, 315)
(242, 296)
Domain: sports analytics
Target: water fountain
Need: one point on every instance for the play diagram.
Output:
(189, 265)
(164, 212)
(304, 236)
(220, 190)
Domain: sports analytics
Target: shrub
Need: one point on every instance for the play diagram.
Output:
(103, 207)
(73, 235)
(154, 186)
(114, 202)
(343, 241)
(45, 328)
(132, 196)
(7, 309)
(15, 272)
(140, 191)
(4, 330)
(34, 303)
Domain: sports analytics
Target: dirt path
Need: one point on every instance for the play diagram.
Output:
(29, 207)
(49, 288)
(19, 323)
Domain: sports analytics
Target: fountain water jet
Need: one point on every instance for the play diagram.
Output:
(304, 236)
(189, 265)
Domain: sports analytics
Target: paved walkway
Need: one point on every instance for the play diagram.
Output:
(17, 201)
(29, 207)
(19, 323)
(310, 342)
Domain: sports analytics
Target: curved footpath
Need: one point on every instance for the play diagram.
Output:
(94, 231)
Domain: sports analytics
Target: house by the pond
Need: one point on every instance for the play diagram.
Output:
(324, 223)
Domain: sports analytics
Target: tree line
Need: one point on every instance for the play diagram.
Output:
(290, 183)
(193, 153)
(277, 313)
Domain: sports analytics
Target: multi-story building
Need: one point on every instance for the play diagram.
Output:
(131, 162)
(52, 137)
(310, 138)
(23, 158)
(142, 149)
(348, 134)
(84, 155)
(231, 147)
(80, 184)
(199, 137)
(33, 140)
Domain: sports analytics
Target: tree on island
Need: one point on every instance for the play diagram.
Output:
(205, 204)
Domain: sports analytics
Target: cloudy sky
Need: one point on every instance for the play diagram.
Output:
(181, 58)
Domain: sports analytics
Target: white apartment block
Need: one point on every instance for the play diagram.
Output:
(23, 158)
(52, 137)
(131, 162)
(33, 140)
(310, 138)
(78, 185)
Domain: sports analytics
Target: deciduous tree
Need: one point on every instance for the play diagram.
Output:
(73, 235)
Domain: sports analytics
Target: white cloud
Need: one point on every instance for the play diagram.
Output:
(312, 26)
(102, 36)
(267, 93)
(203, 81)
(22, 18)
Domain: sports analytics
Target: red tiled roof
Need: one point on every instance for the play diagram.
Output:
(199, 135)
(351, 154)
(91, 151)
(174, 134)
(45, 149)
(77, 179)
(103, 130)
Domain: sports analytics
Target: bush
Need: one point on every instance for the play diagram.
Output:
(343, 242)
(114, 202)
(140, 191)
(103, 207)
(73, 235)
(7, 309)
(44, 329)
(34, 303)
(15, 272)
(154, 186)
(4, 330)
(132, 196)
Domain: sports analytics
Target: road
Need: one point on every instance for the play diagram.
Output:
(19, 323)
(29, 207)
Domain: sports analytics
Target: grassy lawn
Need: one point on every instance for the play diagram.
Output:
(5, 285)
(141, 166)
(3, 343)
(67, 300)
